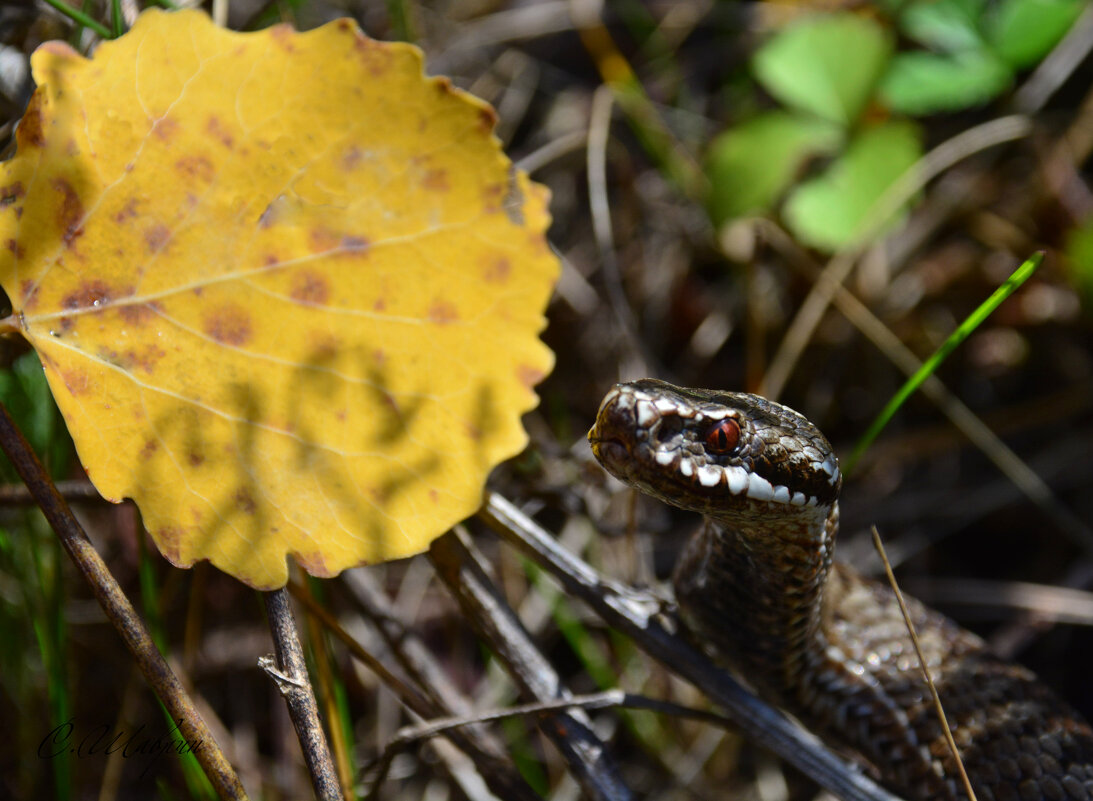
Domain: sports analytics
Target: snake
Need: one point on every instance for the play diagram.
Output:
(758, 587)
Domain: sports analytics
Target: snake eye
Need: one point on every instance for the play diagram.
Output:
(723, 437)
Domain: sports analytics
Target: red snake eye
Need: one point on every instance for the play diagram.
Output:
(723, 437)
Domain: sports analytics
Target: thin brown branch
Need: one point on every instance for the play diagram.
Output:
(71, 491)
(496, 625)
(490, 760)
(657, 631)
(119, 611)
(290, 673)
(410, 735)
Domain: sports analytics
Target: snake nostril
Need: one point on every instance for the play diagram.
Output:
(666, 429)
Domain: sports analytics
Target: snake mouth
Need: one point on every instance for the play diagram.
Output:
(700, 449)
(612, 452)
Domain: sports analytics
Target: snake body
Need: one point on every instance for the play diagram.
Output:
(757, 584)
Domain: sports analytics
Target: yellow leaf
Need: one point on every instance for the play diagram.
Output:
(285, 289)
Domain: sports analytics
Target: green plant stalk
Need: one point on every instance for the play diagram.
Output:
(197, 783)
(82, 18)
(402, 20)
(929, 367)
(330, 691)
(524, 754)
(116, 18)
(50, 631)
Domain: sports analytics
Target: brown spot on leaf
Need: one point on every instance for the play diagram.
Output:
(15, 248)
(487, 119)
(375, 57)
(380, 356)
(497, 270)
(313, 563)
(156, 237)
(217, 130)
(91, 294)
(473, 431)
(379, 305)
(324, 347)
(136, 313)
(195, 458)
(29, 133)
(309, 287)
(196, 167)
(435, 180)
(26, 287)
(230, 324)
(244, 502)
(127, 212)
(165, 129)
(529, 376)
(442, 312)
(492, 198)
(323, 239)
(12, 192)
(145, 358)
(76, 381)
(282, 37)
(69, 210)
(150, 447)
(352, 157)
(169, 539)
(434, 496)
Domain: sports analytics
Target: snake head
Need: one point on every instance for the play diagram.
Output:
(717, 453)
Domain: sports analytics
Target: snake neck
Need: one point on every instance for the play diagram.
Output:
(755, 592)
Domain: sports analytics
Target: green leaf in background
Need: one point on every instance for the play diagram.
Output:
(752, 164)
(1079, 259)
(830, 211)
(1024, 31)
(926, 83)
(950, 26)
(826, 65)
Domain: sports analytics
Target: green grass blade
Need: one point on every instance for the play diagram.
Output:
(963, 331)
(82, 18)
(116, 19)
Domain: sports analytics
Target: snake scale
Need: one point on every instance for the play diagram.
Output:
(757, 584)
